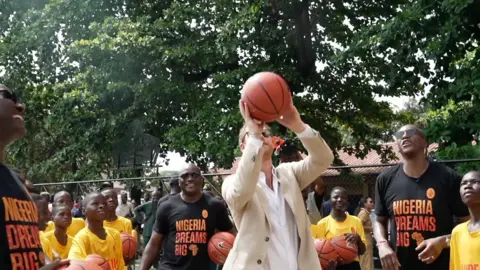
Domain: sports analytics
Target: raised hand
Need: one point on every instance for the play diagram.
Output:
(291, 120)
(255, 127)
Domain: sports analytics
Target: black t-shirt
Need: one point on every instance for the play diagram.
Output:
(19, 232)
(164, 198)
(187, 228)
(419, 208)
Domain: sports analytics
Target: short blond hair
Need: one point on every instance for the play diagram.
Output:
(244, 130)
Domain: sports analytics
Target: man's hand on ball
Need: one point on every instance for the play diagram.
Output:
(255, 127)
(291, 120)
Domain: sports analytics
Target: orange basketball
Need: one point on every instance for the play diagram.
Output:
(219, 246)
(267, 96)
(129, 247)
(326, 251)
(80, 265)
(98, 260)
(346, 252)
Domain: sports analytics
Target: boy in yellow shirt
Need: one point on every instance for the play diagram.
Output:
(64, 198)
(465, 238)
(339, 222)
(95, 238)
(113, 221)
(60, 241)
(42, 209)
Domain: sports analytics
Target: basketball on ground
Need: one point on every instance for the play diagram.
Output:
(267, 96)
(98, 260)
(346, 252)
(325, 251)
(219, 246)
(129, 247)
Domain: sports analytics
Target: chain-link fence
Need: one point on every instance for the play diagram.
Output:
(358, 180)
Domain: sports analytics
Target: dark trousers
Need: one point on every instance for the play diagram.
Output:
(351, 266)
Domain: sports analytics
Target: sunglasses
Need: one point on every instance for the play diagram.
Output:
(188, 175)
(5, 94)
(409, 133)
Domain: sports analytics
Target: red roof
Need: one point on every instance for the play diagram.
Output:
(372, 158)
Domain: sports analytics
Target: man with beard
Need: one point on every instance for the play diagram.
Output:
(420, 198)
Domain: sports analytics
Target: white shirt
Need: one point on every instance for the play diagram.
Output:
(282, 253)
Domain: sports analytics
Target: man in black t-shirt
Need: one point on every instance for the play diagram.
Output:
(19, 221)
(420, 198)
(174, 189)
(184, 225)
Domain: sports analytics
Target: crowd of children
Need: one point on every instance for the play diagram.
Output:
(65, 237)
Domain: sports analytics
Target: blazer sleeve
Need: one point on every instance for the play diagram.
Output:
(239, 188)
(319, 158)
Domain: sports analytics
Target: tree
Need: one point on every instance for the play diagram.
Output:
(428, 43)
(89, 68)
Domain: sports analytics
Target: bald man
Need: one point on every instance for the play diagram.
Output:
(184, 225)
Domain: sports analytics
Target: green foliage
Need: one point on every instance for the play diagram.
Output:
(455, 123)
(87, 69)
(428, 44)
(454, 152)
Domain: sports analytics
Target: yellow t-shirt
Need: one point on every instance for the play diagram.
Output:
(121, 225)
(111, 249)
(315, 231)
(59, 251)
(469, 242)
(46, 246)
(329, 228)
(72, 230)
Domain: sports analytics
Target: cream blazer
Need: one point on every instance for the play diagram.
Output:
(248, 204)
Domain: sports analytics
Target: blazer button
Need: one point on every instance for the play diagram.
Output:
(267, 239)
(259, 261)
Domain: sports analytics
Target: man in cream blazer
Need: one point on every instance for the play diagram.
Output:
(266, 202)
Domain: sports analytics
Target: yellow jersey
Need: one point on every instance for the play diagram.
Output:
(329, 228)
(46, 246)
(121, 224)
(59, 251)
(469, 242)
(111, 249)
(72, 230)
(315, 231)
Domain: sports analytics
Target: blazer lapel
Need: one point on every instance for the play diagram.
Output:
(262, 197)
(285, 189)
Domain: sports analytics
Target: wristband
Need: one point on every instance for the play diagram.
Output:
(381, 242)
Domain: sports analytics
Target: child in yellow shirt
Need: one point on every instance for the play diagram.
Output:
(64, 198)
(59, 240)
(339, 222)
(95, 238)
(42, 210)
(113, 221)
(465, 238)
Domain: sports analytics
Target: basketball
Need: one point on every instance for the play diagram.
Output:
(267, 96)
(326, 251)
(219, 246)
(346, 252)
(98, 260)
(129, 247)
(80, 265)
